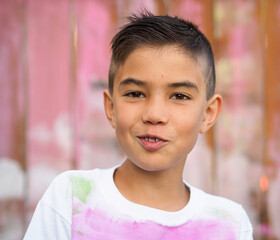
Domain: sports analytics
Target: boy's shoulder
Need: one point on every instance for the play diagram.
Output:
(73, 183)
(85, 174)
(217, 207)
(80, 178)
(215, 200)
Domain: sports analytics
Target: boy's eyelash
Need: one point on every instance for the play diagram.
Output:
(134, 94)
(176, 96)
(180, 96)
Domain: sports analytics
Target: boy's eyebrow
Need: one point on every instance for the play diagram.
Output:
(137, 82)
(128, 81)
(186, 84)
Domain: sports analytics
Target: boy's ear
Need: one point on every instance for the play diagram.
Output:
(109, 107)
(213, 110)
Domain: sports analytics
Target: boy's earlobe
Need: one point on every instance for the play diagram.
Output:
(212, 112)
(109, 107)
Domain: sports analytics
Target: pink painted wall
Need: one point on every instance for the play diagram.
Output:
(94, 137)
(54, 61)
(49, 127)
(240, 134)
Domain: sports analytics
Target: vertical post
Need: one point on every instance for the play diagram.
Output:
(73, 30)
(12, 119)
(25, 111)
(161, 6)
(271, 161)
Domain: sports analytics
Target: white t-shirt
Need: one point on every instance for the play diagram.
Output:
(86, 204)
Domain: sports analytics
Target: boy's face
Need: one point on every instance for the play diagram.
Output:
(159, 106)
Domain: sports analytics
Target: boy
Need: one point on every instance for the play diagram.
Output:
(160, 97)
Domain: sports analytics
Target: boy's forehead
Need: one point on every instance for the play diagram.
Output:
(178, 65)
(155, 49)
(168, 50)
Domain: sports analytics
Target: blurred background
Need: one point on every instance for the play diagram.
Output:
(54, 60)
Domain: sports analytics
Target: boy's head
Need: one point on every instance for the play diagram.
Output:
(163, 79)
(158, 31)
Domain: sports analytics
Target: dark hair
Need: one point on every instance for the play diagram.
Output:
(147, 29)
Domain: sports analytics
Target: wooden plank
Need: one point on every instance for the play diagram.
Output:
(239, 132)
(96, 143)
(12, 120)
(271, 219)
(49, 127)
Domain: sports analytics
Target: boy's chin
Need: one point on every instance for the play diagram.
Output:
(153, 166)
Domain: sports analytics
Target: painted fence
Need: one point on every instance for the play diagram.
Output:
(54, 60)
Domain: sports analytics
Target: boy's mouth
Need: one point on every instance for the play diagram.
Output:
(152, 139)
(151, 142)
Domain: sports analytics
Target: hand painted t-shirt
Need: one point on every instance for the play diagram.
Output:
(87, 205)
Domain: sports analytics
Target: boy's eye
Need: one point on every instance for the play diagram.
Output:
(180, 96)
(134, 94)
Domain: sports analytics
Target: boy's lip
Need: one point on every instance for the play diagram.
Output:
(151, 142)
(152, 136)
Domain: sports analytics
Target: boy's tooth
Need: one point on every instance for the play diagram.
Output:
(151, 139)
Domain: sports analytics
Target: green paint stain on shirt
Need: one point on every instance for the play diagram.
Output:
(82, 188)
(76, 211)
(222, 213)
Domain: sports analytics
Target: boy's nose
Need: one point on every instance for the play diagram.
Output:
(155, 113)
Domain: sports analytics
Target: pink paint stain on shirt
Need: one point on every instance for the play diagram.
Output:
(95, 224)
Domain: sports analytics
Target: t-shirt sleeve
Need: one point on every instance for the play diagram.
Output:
(52, 217)
(246, 229)
(46, 224)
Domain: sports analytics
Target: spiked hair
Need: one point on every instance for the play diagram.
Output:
(146, 29)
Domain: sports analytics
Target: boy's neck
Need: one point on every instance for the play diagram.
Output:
(163, 190)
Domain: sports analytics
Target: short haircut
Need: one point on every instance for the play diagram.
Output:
(147, 29)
